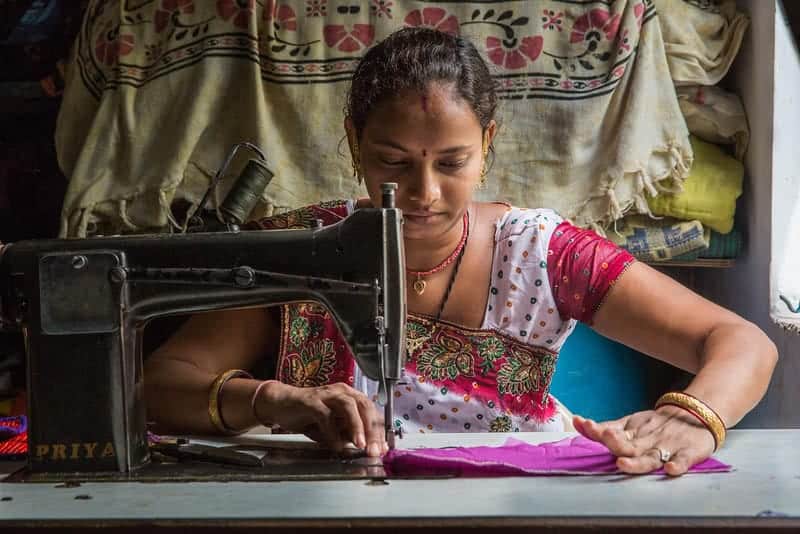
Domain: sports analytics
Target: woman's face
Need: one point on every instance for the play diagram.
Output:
(431, 145)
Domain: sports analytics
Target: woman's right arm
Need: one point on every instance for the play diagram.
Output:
(179, 375)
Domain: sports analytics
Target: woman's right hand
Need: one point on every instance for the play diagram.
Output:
(333, 415)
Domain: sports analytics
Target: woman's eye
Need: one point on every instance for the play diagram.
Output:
(453, 164)
(392, 162)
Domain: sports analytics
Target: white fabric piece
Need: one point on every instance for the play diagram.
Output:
(701, 38)
(785, 309)
(716, 116)
(785, 224)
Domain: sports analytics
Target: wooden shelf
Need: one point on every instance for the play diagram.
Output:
(707, 263)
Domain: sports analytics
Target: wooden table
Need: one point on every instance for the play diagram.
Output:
(761, 495)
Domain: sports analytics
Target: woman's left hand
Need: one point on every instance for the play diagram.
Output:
(641, 440)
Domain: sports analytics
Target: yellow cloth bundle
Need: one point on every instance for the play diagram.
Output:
(709, 193)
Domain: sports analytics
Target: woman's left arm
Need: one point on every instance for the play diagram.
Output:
(732, 359)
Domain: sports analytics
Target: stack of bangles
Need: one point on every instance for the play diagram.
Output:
(215, 406)
(710, 419)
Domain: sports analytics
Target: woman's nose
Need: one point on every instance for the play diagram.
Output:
(423, 185)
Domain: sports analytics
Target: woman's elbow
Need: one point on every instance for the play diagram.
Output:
(765, 353)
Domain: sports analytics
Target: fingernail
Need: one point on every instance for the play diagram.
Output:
(373, 449)
(385, 448)
(361, 442)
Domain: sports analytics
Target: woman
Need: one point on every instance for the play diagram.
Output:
(493, 293)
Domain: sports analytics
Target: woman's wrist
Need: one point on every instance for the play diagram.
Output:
(215, 400)
(263, 401)
(693, 407)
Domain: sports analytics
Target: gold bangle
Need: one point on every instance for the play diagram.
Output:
(702, 411)
(214, 408)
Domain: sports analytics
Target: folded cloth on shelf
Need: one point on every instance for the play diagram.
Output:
(590, 120)
(709, 193)
(701, 38)
(13, 437)
(570, 456)
(715, 115)
(720, 246)
(663, 239)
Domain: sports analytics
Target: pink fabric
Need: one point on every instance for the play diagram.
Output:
(570, 456)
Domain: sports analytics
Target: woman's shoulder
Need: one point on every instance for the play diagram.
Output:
(515, 221)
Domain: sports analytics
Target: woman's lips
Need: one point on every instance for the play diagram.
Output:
(422, 218)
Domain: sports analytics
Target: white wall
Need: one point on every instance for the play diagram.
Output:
(767, 76)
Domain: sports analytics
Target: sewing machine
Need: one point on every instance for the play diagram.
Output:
(82, 305)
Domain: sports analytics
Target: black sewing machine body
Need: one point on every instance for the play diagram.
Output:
(83, 305)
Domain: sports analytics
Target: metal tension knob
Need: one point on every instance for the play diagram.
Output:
(244, 276)
(388, 193)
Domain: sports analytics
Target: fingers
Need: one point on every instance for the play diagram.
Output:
(329, 432)
(354, 413)
(610, 434)
(348, 416)
(639, 440)
(373, 424)
(682, 461)
(648, 461)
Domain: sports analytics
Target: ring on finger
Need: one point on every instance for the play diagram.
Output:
(663, 454)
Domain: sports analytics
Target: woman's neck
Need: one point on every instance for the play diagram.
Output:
(424, 254)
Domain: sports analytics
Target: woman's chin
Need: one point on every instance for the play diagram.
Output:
(422, 227)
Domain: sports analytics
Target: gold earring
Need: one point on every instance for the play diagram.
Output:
(356, 162)
(483, 164)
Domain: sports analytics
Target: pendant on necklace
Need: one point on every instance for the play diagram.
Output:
(419, 286)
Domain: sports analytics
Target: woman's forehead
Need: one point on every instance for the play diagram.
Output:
(412, 114)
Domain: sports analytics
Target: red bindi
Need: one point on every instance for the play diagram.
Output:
(425, 103)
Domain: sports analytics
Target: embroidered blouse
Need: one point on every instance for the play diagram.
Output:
(546, 275)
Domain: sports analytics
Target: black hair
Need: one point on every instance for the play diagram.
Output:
(413, 58)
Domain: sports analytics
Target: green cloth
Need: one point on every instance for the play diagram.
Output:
(709, 193)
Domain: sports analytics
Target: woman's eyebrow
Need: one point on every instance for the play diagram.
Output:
(391, 144)
(396, 146)
(455, 149)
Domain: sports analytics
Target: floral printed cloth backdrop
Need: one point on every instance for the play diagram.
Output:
(159, 90)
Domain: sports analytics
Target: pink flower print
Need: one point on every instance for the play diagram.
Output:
(337, 36)
(281, 17)
(552, 20)
(594, 23)
(239, 10)
(110, 44)
(316, 8)
(624, 41)
(433, 17)
(168, 7)
(382, 7)
(268, 13)
(638, 11)
(512, 55)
